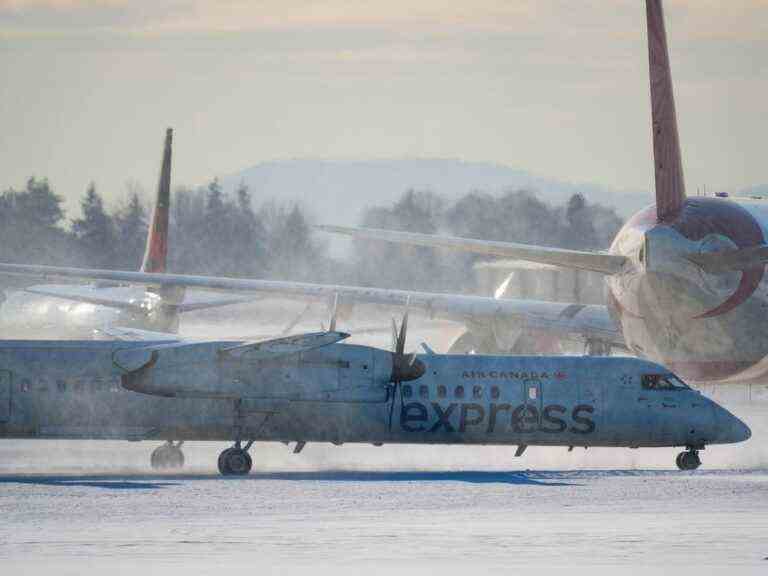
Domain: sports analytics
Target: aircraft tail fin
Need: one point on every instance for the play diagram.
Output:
(668, 165)
(156, 252)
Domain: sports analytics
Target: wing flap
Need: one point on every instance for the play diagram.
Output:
(577, 259)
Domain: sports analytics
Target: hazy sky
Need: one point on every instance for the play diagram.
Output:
(557, 87)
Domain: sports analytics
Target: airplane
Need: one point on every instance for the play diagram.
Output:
(314, 388)
(68, 310)
(685, 276)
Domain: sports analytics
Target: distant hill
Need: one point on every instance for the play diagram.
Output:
(338, 191)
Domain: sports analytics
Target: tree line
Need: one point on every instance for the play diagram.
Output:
(220, 233)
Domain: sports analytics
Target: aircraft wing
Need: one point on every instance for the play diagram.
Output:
(579, 259)
(585, 321)
(127, 298)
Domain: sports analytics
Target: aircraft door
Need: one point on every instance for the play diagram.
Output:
(5, 395)
(532, 398)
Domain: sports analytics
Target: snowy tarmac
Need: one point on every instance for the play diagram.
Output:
(365, 514)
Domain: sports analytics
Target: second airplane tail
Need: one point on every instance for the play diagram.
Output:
(156, 252)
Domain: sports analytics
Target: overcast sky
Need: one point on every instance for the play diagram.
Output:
(557, 87)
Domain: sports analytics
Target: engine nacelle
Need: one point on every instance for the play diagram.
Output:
(334, 373)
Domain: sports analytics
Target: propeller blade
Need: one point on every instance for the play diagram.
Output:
(403, 331)
(394, 335)
(334, 313)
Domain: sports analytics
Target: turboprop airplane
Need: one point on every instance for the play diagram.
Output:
(71, 310)
(312, 388)
(686, 276)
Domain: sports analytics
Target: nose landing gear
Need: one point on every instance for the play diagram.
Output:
(688, 460)
(236, 461)
(168, 456)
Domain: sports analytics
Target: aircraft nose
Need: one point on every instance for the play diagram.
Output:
(731, 429)
(740, 432)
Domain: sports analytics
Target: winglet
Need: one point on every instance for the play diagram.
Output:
(668, 164)
(156, 252)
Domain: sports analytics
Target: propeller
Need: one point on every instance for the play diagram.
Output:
(334, 313)
(405, 367)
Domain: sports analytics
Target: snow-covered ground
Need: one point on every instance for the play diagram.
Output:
(425, 522)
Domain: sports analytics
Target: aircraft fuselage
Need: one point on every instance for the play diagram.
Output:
(343, 393)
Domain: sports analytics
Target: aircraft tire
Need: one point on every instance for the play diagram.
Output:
(688, 460)
(167, 457)
(235, 462)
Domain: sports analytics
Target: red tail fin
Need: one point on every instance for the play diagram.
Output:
(156, 253)
(670, 186)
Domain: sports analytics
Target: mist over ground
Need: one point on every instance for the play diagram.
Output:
(221, 230)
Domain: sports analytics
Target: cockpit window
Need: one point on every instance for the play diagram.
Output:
(663, 382)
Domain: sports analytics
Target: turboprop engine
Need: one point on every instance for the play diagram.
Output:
(308, 367)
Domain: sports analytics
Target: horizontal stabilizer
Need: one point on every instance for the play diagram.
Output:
(270, 349)
(731, 260)
(128, 298)
(121, 297)
(576, 259)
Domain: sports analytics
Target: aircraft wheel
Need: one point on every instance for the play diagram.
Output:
(167, 457)
(235, 462)
(688, 460)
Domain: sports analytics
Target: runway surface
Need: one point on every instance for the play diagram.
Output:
(367, 514)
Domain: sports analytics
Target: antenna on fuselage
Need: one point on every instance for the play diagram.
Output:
(668, 164)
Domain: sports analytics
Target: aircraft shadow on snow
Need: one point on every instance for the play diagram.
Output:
(105, 482)
(553, 478)
(144, 482)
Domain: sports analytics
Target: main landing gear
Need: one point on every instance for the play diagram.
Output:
(688, 460)
(168, 456)
(236, 461)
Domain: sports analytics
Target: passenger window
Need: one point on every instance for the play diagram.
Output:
(459, 392)
(424, 391)
(442, 391)
(407, 391)
(477, 392)
(495, 392)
